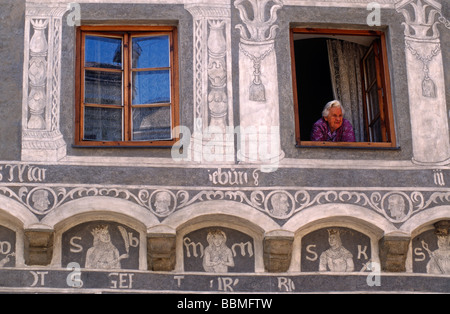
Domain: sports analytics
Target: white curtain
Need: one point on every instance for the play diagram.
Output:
(345, 57)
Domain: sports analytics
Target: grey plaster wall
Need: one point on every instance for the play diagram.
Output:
(132, 14)
(12, 17)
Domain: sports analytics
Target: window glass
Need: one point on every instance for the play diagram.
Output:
(103, 52)
(348, 66)
(103, 88)
(151, 87)
(102, 124)
(151, 52)
(127, 92)
(150, 124)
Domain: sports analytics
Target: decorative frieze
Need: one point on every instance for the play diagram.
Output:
(396, 205)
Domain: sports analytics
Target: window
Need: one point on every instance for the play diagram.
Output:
(126, 86)
(345, 65)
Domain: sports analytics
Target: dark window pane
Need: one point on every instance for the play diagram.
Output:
(151, 52)
(151, 124)
(104, 88)
(371, 67)
(151, 87)
(373, 103)
(103, 52)
(102, 124)
(376, 132)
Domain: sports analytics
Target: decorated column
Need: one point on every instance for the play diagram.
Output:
(213, 139)
(259, 128)
(41, 136)
(426, 83)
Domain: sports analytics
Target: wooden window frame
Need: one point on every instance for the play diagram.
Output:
(391, 142)
(126, 31)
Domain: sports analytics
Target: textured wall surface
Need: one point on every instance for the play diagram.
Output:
(152, 219)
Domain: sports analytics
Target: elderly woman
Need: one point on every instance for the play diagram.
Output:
(332, 127)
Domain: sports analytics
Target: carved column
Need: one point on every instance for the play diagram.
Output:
(213, 139)
(259, 131)
(426, 84)
(41, 136)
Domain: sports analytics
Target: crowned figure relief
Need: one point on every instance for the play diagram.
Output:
(103, 254)
(336, 258)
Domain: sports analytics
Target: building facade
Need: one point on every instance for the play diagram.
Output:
(163, 146)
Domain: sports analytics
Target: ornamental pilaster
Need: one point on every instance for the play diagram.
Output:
(259, 129)
(426, 83)
(213, 139)
(41, 136)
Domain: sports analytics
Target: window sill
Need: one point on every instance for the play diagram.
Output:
(161, 144)
(348, 145)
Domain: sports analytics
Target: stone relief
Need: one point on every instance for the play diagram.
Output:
(101, 245)
(431, 252)
(335, 249)
(41, 136)
(213, 109)
(7, 247)
(218, 250)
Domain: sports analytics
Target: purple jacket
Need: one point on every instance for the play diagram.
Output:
(321, 132)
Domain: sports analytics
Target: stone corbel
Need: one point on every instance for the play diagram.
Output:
(393, 249)
(161, 252)
(161, 249)
(38, 248)
(41, 136)
(426, 83)
(278, 251)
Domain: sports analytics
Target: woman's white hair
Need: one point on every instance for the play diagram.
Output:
(332, 104)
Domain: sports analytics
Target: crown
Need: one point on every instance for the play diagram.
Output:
(100, 230)
(333, 231)
(259, 26)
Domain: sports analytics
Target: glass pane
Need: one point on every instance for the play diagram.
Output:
(151, 52)
(104, 88)
(374, 106)
(371, 68)
(151, 87)
(103, 52)
(376, 132)
(102, 124)
(151, 124)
